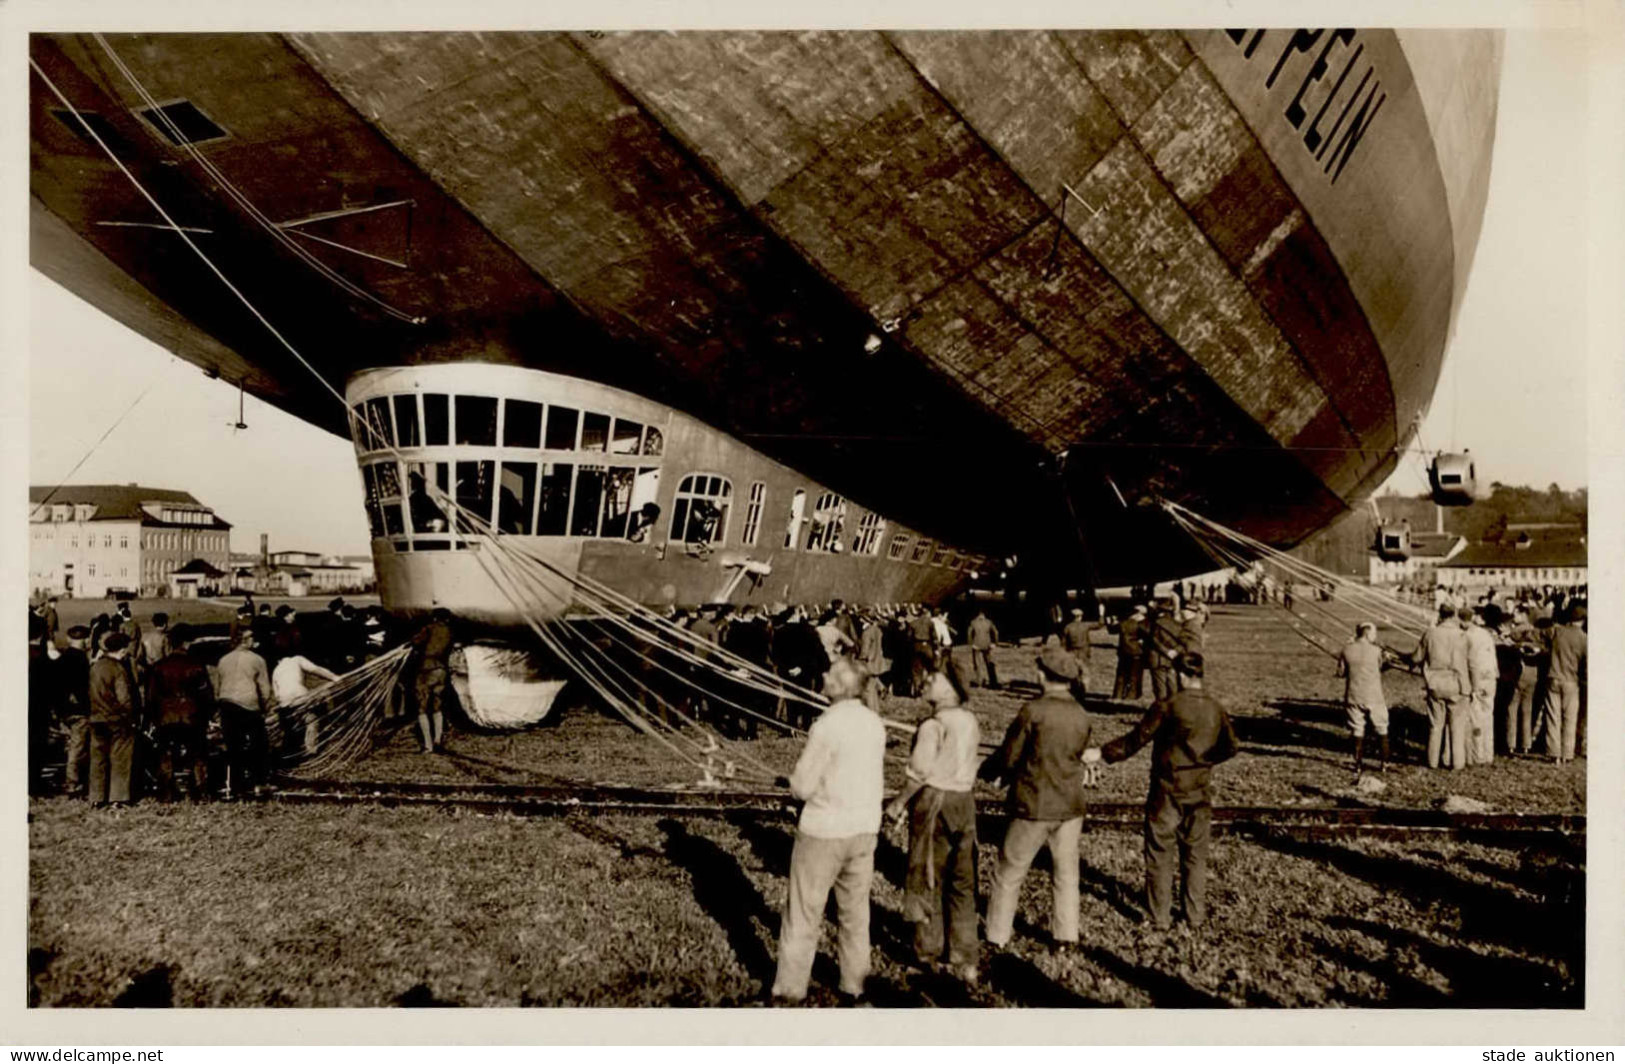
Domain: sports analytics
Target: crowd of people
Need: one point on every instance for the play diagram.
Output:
(160, 705)
(1497, 679)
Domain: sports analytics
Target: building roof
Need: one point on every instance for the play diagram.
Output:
(121, 502)
(1433, 544)
(199, 567)
(1552, 553)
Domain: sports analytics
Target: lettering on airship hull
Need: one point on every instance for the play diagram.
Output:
(1353, 100)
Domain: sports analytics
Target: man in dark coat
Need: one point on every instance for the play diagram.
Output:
(1190, 732)
(1130, 682)
(1166, 646)
(180, 698)
(1040, 759)
(73, 707)
(42, 700)
(115, 715)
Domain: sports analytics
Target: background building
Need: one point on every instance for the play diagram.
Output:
(92, 540)
(1529, 555)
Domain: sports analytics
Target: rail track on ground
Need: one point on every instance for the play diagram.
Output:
(556, 800)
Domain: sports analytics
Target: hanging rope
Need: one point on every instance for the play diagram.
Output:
(1247, 554)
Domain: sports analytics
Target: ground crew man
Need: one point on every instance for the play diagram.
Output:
(983, 635)
(1190, 733)
(1360, 663)
(1442, 656)
(1075, 637)
(1041, 760)
(1482, 671)
(42, 701)
(434, 644)
(114, 718)
(1562, 711)
(181, 698)
(1130, 682)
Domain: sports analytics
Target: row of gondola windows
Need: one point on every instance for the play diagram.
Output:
(609, 502)
(516, 498)
(437, 420)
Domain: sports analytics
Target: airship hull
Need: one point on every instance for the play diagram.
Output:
(998, 288)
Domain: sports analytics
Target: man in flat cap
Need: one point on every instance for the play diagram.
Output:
(1076, 638)
(1041, 760)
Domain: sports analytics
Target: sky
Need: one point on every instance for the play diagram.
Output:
(1513, 387)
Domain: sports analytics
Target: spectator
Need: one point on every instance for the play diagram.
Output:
(1189, 733)
(1040, 760)
(1562, 709)
(1482, 672)
(940, 891)
(114, 721)
(73, 708)
(839, 778)
(1130, 682)
(983, 636)
(245, 699)
(1442, 655)
(181, 698)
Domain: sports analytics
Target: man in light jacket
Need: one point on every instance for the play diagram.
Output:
(840, 778)
(1442, 655)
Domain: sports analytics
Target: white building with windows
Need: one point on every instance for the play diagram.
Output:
(93, 540)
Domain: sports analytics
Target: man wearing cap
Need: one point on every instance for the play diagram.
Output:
(1189, 732)
(1129, 685)
(982, 635)
(244, 695)
(1040, 759)
(114, 718)
(1562, 710)
(73, 707)
(1523, 709)
(131, 629)
(1482, 672)
(839, 777)
(1075, 637)
(1442, 655)
(1360, 664)
(181, 698)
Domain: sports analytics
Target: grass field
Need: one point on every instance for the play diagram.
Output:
(251, 905)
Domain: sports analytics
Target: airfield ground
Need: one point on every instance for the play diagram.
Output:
(266, 904)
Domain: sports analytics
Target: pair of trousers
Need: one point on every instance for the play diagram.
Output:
(1449, 731)
(112, 753)
(1483, 721)
(1129, 684)
(182, 752)
(247, 745)
(1022, 841)
(816, 865)
(78, 755)
(1178, 821)
(981, 667)
(1164, 684)
(1561, 718)
(1521, 714)
(939, 896)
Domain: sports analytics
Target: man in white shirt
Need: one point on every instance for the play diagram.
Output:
(840, 778)
(289, 682)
